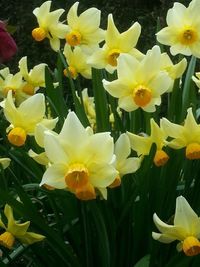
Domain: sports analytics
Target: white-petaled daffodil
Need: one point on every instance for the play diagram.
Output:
(140, 84)
(182, 31)
(34, 78)
(142, 144)
(78, 162)
(196, 79)
(83, 30)
(115, 44)
(15, 230)
(187, 135)
(186, 228)
(23, 119)
(49, 25)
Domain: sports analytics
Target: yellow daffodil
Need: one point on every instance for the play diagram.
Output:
(34, 78)
(24, 119)
(115, 44)
(187, 135)
(182, 31)
(15, 230)
(49, 25)
(83, 30)
(123, 164)
(77, 62)
(89, 107)
(78, 162)
(140, 84)
(142, 144)
(186, 228)
(197, 79)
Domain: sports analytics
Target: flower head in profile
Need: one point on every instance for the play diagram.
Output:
(140, 84)
(15, 230)
(23, 119)
(182, 31)
(77, 62)
(115, 44)
(123, 163)
(142, 144)
(8, 47)
(78, 162)
(34, 78)
(83, 30)
(186, 228)
(186, 135)
(49, 25)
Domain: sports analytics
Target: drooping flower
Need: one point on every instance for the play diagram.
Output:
(8, 47)
(78, 162)
(15, 230)
(142, 144)
(115, 44)
(34, 78)
(23, 119)
(77, 62)
(186, 135)
(83, 30)
(124, 164)
(182, 31)
(140, 84)
(186, 228)
(49, 25)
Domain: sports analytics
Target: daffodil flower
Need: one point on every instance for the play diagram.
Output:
(23, 119)
(83, 30)
(142, 144)
(124, 164)
(34, 78)
(115, 44)
(187, 135)
(77, 62)
(140, 84)
(182, 32)
(15, 230)
(78, 162)
(49, 25)
(5, 162)
(186, 228)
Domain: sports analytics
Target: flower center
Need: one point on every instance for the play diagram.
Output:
(112, 57)
(142, 95)
(188, 36)
(86, 192)
(116, 182)
(17, 136)
(72, 71)
(7, 240)
(193, 151)
(160, 158)
(77, 176)
(39, 34)
(73, 38)
(7, 89)
(191, 246)
(28, 89)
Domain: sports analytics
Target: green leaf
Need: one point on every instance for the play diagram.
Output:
(144, 262)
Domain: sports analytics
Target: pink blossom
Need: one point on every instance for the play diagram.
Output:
(8, 46)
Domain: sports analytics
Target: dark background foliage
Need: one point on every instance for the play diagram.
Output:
(125, 12)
